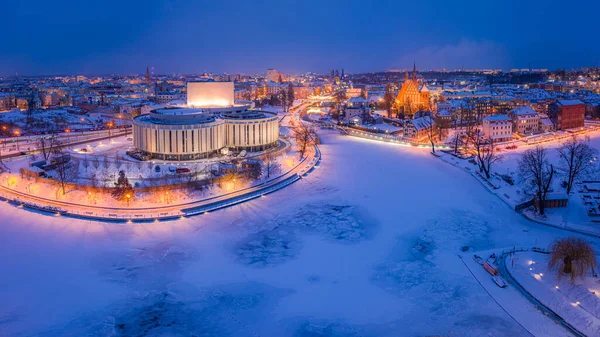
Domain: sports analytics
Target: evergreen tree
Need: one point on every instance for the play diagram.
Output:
(123, 190)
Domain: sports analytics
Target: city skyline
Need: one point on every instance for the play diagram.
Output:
(240, 37)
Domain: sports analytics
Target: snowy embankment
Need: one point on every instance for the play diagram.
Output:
(512, 301)
(578, 304)
(506, 183)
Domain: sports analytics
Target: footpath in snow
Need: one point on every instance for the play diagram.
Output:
(578, 303)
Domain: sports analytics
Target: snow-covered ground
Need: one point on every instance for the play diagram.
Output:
(366, 245)
(573, 216)
(46, 120)
(577, 303)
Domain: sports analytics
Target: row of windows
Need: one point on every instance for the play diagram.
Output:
(186, 141)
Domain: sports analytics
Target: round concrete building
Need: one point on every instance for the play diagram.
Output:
(182, 133)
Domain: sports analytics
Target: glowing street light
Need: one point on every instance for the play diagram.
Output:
(128, 196)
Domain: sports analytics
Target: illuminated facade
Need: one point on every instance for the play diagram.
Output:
(410, 98)
(193, 132)
(188, 134)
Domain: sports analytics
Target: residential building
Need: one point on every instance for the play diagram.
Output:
(567, 114)
(418, 130)
(356, 106)
(525, 120)
(592, 109)
(497, 128)
(166, 97)
(443, 118)
(7, 102)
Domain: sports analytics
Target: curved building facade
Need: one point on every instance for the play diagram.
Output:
(191, 133)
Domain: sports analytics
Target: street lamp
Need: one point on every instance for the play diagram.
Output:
(17, 133)
(128, 196)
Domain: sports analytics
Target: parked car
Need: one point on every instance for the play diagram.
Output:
(182, 170)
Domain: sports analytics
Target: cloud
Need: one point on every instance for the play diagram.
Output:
(467, 53)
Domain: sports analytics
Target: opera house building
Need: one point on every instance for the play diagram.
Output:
(210, 122)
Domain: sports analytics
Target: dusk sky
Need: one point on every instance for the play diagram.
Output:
(101, 37)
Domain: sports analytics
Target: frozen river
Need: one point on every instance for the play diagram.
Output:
(365, 246)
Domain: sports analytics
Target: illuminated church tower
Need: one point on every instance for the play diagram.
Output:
(147, 75)
(410, 98)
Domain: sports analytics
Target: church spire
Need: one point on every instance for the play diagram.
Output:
(147, 75)
(414, 74)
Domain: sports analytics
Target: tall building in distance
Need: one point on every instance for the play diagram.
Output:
(274, 76)
(411, 98)
(147, 75)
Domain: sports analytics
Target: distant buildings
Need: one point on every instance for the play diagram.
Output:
(7, 102)
(274, 76)
(497, 128)
(166, 97)
(353, 92)
(567, 114)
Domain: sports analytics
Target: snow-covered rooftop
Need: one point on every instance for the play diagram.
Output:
(497, 118)
(567, 102)
(523, 110)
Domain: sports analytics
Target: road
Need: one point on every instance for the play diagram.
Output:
(67, 139)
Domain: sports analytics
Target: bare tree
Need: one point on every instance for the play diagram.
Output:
(535, 168)
(457, 141)
(305, 136)
(432, 131)
(105, 162)
(572, 257)
(251, 169)
(271, 165)
(467, 116)
(95, 162)
(484, 150)
(388, 100)
(47, 145)
(576, 157)
(66, 170)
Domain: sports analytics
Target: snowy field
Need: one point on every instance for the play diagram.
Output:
(367, 245)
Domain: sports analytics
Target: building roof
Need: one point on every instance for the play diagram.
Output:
(557, 196)
(567, 102)
(444, 112)
(523, 110)
(357, 100)
(497, 118)
(422, 123)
